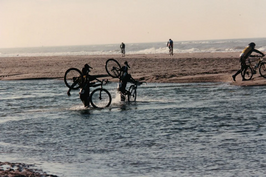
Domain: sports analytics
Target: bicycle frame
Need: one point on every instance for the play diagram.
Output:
(171, 50)
(132, 91)
(102, 82)
(256, 65)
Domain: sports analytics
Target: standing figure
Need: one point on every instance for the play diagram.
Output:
(123, 49)
(170, 45)
(246, 53)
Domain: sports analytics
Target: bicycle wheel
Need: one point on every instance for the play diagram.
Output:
(262, 69)
(171, 51)
(132, 96)
(100, 98)
(73, 78)
(112, 67)
(247, 75)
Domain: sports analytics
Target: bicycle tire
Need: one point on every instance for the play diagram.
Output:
(73, 78)
(247, 75)
(132, 96)
(171, 51)
(100, 98)
(112, 67)
(262, 69)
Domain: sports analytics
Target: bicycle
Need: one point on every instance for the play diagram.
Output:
(251, 69)
(171, 52)
(131, 94)
(123, 52)
(99, 98)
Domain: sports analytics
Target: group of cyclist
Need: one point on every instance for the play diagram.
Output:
(84, 93)
(125, 77)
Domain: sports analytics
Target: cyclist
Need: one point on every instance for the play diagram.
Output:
(246, 53)
(123, 50)
(170, 44)
(84, 93)
(124, 79)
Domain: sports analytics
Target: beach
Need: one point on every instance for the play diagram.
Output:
(158, 68)
(150, 68)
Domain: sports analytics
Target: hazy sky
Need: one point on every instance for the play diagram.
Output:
(30, 23)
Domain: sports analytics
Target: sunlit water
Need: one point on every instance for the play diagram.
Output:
(211, 129)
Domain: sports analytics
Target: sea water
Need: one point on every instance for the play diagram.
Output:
(195, 129)
(227, 45)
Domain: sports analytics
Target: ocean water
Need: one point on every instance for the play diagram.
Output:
(195, 129)
(227, 45)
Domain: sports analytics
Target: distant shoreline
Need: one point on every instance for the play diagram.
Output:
(158, 68)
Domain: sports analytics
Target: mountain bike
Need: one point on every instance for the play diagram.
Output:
(171, 52)
(99, 98)
(131, 94)
(252, 67)
(123, 52)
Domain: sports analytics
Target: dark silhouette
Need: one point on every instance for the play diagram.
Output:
(123, 49)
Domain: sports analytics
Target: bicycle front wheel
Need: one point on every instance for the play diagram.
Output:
(73, 78)
(100, 98)
(248, 73)
(112, 67)
(132, 93)
(262, 69)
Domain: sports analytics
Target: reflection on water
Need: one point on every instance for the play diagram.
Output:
(211, 129)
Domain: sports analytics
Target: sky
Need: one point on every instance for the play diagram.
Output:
(36, 23)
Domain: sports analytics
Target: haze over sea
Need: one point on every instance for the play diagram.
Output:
(227, 45)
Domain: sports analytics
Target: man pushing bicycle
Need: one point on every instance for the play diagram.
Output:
(246, 53)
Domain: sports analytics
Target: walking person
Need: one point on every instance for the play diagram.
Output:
(246, 53)
(170, 45)
(123, 49)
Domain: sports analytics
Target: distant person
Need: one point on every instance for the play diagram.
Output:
(123, 49)
(170, 45)
(246, 53)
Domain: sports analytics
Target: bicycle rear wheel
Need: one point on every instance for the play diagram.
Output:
(248, 73)
(132, 96)
(112, 67)
(73, 78)
(100, 98)
(171, 51)
(262, 69)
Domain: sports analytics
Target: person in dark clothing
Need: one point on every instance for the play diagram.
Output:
(84, 93)
(124, 79)
(246, 53)
(170, 45)
(123, 49)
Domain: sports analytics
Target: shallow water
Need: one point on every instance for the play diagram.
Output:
(210, 129)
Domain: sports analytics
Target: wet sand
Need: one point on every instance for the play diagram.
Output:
(160, 68)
